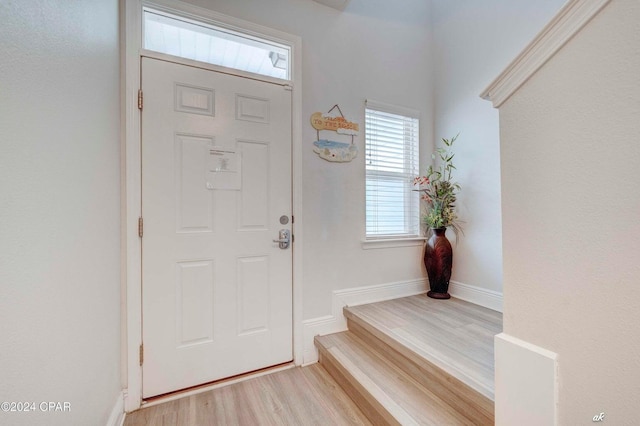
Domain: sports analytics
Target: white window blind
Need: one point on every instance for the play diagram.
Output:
(391, 155)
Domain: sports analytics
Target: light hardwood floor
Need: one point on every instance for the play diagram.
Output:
(407, 361)
(298, 396)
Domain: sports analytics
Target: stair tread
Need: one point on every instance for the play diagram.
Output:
(406, 400)
(455, 336)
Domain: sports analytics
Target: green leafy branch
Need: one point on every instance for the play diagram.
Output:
(439, 191)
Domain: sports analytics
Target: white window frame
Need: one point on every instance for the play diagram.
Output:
(406, 238)
(212, 30)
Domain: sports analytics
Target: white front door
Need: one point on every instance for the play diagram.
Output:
(216, 191)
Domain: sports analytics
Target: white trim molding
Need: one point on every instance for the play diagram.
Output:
(526, 383)
(116, 418)
(377, 243)
(336, 322)
(480, 296)
(568, 21)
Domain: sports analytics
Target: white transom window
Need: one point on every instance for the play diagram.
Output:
(178, 36)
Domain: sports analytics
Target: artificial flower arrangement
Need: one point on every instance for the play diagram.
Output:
(439, 191)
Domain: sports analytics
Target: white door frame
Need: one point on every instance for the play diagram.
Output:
(131, 184)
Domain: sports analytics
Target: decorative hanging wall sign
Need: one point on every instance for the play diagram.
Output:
(338, 152)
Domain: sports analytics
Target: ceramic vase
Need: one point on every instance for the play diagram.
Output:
(438, 259)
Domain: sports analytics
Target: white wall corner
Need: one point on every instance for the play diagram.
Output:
(526, 383)
(574, 15)
(480, 296)
(336, 322)
(116, 418)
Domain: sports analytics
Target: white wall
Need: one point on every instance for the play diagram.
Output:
(571, 209)
(473, 42)
(59, 209)
(374, 49)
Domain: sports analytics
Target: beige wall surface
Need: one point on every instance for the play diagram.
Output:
(59, 210)
(571, 209)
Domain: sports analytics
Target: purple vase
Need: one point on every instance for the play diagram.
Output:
(438, 258)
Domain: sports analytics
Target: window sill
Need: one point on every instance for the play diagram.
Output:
(392, 242)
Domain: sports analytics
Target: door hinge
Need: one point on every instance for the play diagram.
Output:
(141, 353)
(140, 99)
(140, 227)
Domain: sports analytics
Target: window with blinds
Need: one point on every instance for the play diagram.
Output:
(391, 155)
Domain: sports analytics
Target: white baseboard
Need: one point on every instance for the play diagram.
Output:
(116, 418)
(526, 383)
(336, 322)
(480, 296)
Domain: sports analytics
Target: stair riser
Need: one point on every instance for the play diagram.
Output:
(374, 411)
(467, 401)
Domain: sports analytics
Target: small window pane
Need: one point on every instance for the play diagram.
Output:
(215, 45)
(391, 155)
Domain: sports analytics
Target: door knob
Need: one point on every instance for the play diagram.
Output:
(284, 238)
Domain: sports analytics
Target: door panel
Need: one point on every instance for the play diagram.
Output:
(216, 177)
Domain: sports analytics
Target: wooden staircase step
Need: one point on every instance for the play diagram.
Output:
(385, 393)
(453, 336)
(447, 346)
